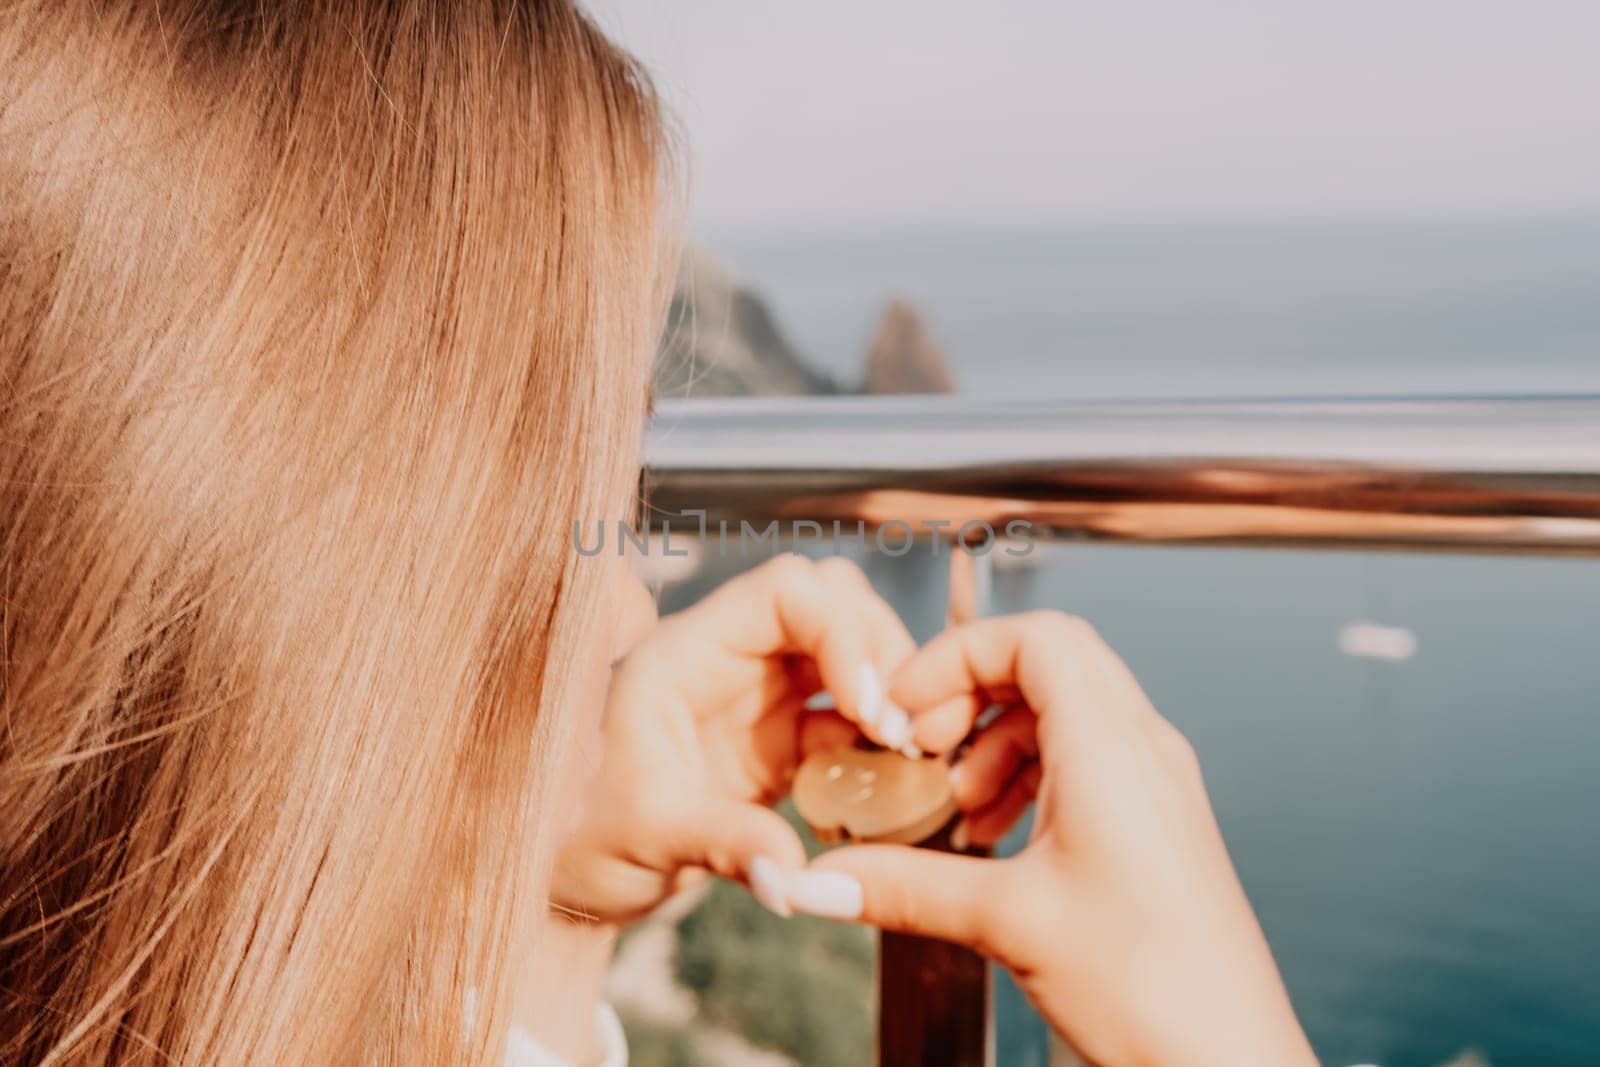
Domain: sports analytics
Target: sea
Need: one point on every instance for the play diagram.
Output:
(1417, 822)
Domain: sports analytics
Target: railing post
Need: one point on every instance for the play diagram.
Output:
(934, 998)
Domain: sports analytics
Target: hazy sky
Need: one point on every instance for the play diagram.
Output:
(839, 112)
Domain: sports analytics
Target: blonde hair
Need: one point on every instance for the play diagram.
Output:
(320, 324)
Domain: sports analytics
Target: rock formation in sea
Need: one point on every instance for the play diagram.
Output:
(722, 339)
(903, 358)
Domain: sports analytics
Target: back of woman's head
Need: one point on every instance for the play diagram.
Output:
(320, 322)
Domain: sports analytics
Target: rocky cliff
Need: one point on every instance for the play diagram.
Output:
(903, 357)
(721, 339)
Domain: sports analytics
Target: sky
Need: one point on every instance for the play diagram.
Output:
(834, 113)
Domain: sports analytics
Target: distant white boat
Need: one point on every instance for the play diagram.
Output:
(1371, 640)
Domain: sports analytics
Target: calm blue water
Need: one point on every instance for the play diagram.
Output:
(1207, 309)
(1421, 839)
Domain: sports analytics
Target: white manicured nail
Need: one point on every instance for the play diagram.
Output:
(820, 701)
(895, 729)
(910, 750)
(830, 894)
(961, 836)
(869, 695)
(767, 884)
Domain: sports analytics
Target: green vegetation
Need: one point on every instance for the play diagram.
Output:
(800, 986)
(653, 1045)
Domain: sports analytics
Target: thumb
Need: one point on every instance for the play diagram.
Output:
(743, 842)
(910, 890)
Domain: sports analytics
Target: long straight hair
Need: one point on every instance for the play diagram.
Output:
(320, 324)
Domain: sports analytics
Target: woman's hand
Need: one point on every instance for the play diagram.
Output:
(1122, 919)
(705, 723)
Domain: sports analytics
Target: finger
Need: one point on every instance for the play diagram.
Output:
(895, 887)
(985, 828)
(826, 611)
(994, 758)
(1058, 664)
(825, 729)
(742, 842)
(890, 644)
(771, 746)
(689, 878)
(945, 725)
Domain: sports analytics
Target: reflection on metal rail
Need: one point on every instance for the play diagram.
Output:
(1513, 474)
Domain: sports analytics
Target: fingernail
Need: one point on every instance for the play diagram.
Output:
(830, 894)
(953, 776)
(895, 729)
(869, 695)
(961, 836)
(910, 750)
(820, 701)
(766, 883)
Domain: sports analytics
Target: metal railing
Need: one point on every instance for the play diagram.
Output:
(1518, 475)
(1470, 475)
